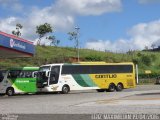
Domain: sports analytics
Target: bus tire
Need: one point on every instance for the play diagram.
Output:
(100, 90)
(10, 91)
(65, 89)
(111, 88)
(119, 87)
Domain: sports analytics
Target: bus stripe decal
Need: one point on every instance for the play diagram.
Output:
(80, 80)
(88, 80)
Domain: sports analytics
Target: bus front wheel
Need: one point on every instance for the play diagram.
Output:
(10, 91)
(111, 88)
(65, 89)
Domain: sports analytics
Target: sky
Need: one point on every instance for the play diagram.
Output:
(112, 25)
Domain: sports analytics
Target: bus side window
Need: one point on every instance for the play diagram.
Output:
(13, 74)
(9, 75)
(28, 74)
(21, 74)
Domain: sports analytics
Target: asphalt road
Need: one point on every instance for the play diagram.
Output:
(144, 99)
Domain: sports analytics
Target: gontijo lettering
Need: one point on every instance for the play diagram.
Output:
(106, 76)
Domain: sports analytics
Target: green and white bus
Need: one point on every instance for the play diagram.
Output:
(18, 80)
(86, 76)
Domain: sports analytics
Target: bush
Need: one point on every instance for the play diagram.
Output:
(135, 60)
(139, 54)
(146, 81)
(93, 58)
(109, 59)
(146, 60)
(153, 57)
(152, 75)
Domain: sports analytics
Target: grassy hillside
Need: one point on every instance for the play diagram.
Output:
(48, 54)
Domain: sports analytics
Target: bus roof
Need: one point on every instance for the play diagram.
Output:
(102, 63)
(24, 68)
(91, 63)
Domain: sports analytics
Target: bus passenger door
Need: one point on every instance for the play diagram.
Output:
(54, 75)
(3, 81)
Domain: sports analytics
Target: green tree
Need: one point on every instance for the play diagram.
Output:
(53, 40)
(153, 46)
(146, 48)
(17, 31)
(73, 36)
(42, 30)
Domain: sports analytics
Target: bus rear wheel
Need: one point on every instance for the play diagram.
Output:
(111, 88)
(119, 87)
(65, 89)
(10, 91)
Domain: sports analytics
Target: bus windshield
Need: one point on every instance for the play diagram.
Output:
(44, 68)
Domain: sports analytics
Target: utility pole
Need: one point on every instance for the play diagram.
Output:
(77, 40)
(137, 81)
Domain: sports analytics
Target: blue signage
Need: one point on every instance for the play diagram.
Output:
(16, 43)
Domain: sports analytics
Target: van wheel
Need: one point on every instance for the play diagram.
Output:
(100, 90)
(65, 89)
(10, 91)
(119, 87)
(111, 88)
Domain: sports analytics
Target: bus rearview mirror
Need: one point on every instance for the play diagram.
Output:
(47, 73)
